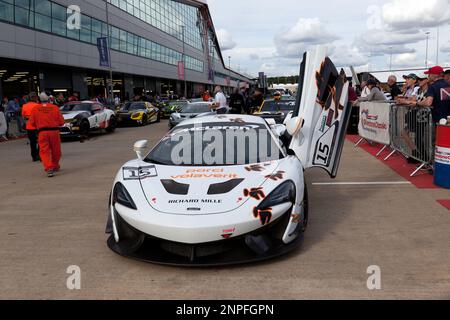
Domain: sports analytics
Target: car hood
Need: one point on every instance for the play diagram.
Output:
(183, 116)
(203, 190)
(68, 115)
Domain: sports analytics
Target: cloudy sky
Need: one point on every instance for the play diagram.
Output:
(270, 36)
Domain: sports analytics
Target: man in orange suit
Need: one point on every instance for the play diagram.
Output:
(27, 109)
(47, 120)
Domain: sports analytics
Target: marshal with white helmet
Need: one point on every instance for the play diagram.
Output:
(227, 189)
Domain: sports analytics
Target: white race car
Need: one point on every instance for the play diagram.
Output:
(227, 189)
(83, 117)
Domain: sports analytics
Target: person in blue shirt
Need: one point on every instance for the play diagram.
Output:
(438, 95)
(13, 112)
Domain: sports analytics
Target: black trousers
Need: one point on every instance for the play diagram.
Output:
(33, 138)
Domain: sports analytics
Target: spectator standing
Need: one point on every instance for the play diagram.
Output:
(236, 102)
(12, 112)
(447, 75)
(4, 104)
(3, 125)
(375, 93)
(412, 87)
(365, 90)
(47, 119)
(257, 100)
(394, 89)
(437, 97)
(206, 96)
(220, 101)
(74, 97)
(60, 101)
(116, 101)
(352, 96)
(32, 134)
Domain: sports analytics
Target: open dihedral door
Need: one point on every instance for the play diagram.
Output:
(323, 112)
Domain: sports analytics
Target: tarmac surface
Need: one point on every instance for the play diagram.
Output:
(47, 225)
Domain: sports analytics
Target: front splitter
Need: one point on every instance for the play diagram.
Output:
(152, 252)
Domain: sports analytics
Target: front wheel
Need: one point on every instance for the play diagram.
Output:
(305, 217)
(85, 128)
(144, 120)
(158, 119)
(112, 125)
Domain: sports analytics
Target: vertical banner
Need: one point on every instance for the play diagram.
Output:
(261, 79)
(102, 45)
(181, 74)
(211, 75)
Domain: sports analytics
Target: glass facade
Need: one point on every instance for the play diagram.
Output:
(51, 17)
(168, 16)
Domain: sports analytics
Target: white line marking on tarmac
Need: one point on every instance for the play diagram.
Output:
(361, 183)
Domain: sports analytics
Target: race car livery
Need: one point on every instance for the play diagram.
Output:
(140, 112)
(228, 189)
(83, 117)
(275, 109)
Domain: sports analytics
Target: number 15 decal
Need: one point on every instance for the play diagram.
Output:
(322, 154)
(325, 146)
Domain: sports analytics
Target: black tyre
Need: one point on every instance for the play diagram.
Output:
(85, 128)
(158, 119)
(112, 125)
(144, 120)
(305, 210)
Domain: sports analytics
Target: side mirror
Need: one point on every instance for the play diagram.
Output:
(140, 147)
(294, 125)
(279, 129)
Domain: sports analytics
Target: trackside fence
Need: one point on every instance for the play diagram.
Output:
(404, 129)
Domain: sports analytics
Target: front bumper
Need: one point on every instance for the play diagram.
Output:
(127, 119)
(68, 131)
(259, 245)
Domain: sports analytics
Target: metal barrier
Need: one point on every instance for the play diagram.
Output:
(14, 130)
(412, 134)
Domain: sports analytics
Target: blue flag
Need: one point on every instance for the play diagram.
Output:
(102, 45)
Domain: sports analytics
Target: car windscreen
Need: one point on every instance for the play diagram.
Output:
(277, 106)
(77, 107)
(216, 144)
(195, 108)
(134, 106)
(178, 103)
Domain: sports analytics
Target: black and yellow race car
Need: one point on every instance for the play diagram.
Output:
(141, 113)
(275, 109)
(171, 107)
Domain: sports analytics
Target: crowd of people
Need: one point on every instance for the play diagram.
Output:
(419, 90)
(40, 118)
(422, 94)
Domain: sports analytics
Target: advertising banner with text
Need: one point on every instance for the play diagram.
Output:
(374, 122)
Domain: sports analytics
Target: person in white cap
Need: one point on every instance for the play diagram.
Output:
(47, 119)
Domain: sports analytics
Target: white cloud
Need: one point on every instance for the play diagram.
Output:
(407, 60)
(407, 14)
(225, 40)
(310, 31)
(446, 47)
(252, 53)
(292, 42)
(378, 42)
(343, 56)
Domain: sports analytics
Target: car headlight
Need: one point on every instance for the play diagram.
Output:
(175, 116)
(282, 194)
(121, 196)
(137, 115)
